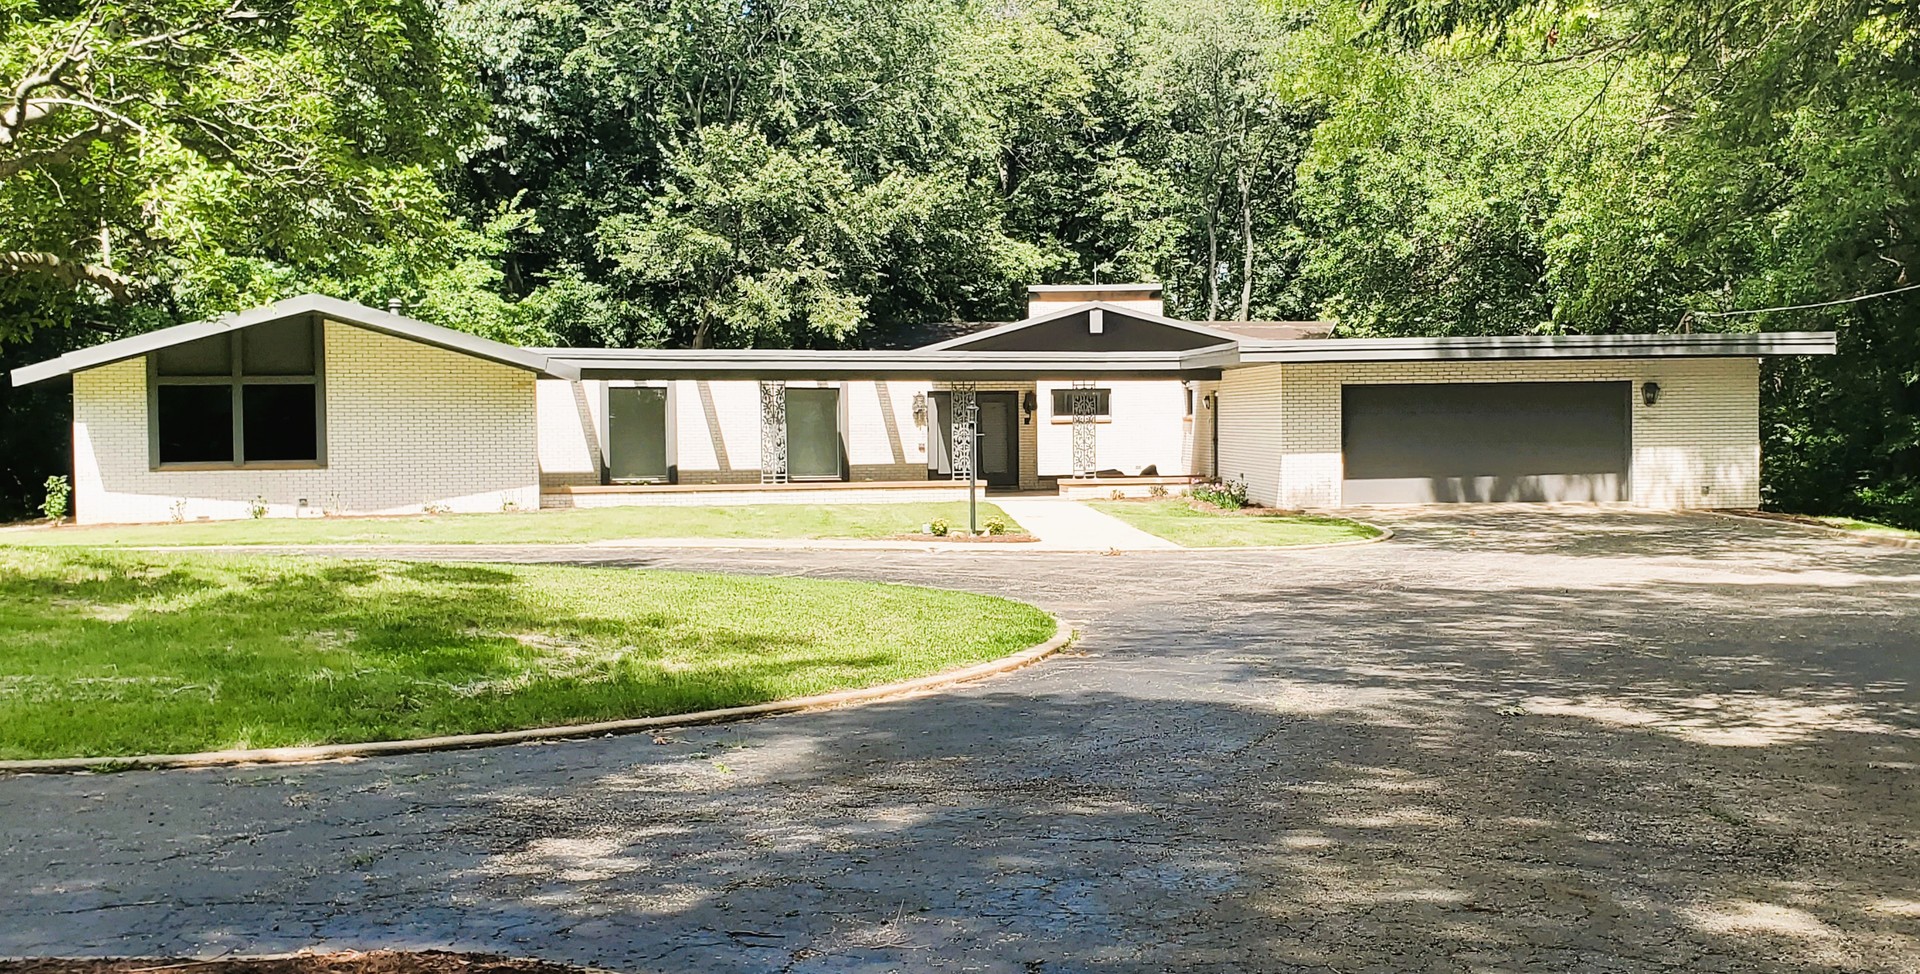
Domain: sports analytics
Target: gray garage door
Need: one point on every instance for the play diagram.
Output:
(1485, 442)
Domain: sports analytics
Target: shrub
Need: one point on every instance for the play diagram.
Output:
(1227, 494)
(257, 508)
(59, 491)
(1157, 491)
(996, 525)
(178, 510)
(1118, 494)
(940, 528)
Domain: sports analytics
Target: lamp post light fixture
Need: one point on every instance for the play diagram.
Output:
(973, 467)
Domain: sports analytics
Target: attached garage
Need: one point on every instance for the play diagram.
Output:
(1482, 442)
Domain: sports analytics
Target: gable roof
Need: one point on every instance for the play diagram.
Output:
(332, 309)
(1202, 335)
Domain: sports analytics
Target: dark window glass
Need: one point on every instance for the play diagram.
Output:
(277, 348)
(195, 424)
(636, 433)
(813, 434)
(1063, 401)
(278, 422)
(208, 356)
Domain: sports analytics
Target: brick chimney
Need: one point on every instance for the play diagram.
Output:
(1045, 298)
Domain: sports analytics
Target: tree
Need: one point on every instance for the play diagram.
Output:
(190, 155)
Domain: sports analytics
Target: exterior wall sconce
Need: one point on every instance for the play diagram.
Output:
(1207, 400)
(1650, 392)
(1028, 404)
(920, 409)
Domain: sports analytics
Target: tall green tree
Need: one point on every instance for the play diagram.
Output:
(192, 155)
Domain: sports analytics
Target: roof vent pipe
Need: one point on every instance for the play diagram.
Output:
(395, 306)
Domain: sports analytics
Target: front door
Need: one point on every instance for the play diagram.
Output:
(999, 438)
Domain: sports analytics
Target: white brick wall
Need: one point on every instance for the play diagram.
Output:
(407, 425)
(717, 430)
(1248, 411)
(1149, 428)
(1698, 447)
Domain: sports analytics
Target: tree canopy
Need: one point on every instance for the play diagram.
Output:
(818, 173)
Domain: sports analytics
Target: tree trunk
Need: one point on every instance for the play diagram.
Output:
(1213, 256)
(1246, 243)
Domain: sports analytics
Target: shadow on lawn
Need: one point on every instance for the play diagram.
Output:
(128, 653)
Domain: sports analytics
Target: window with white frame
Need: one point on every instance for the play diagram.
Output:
(250, 397)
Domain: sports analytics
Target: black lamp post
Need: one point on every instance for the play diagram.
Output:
(973, 466)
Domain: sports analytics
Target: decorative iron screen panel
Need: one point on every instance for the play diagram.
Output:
(962, 400)
(773, 432)
(1086, 404)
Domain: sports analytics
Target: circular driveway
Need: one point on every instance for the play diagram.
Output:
(1508, 740)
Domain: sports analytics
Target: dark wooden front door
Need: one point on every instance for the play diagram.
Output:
(999, 438)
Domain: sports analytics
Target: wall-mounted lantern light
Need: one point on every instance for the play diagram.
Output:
(1650, 393)
(1029, 403)
(1208, 400)
(920, 409)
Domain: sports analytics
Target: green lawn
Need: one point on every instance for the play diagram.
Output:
(1181, 524)
(1867, 527)
(561, 526)
(115, 653)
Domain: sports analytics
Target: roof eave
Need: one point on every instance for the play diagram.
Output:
(347, 312)
(1531, 347)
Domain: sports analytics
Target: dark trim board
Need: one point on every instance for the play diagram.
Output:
(1486, 442)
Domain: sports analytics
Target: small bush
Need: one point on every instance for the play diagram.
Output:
(59, 491)
(1157, 491)
(257, 508)
(1226, 494)
(178, 510)
(434, 508)
(1118, 494)
(940, 528)
(996, 525)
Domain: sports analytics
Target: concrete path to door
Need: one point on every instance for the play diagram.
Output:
(1503, 742)
(1064, 525)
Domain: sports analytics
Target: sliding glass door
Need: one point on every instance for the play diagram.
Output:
(813, 434)
(637, 434)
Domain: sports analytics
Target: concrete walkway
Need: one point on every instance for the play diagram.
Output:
(1064, 525)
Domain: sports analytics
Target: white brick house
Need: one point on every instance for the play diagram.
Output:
(316, 406)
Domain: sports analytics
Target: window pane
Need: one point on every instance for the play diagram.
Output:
(1063, 401)
(277, 348)
(637, 433)
(813, 434)
(195, 423)
(208, 356)
(278, 422)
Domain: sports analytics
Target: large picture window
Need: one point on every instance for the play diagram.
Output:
(813, 434)
(250, 397)
(637, 434)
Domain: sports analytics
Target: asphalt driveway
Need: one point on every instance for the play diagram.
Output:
(1504, 741)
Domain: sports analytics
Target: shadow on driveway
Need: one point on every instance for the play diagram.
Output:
(1584, 742)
